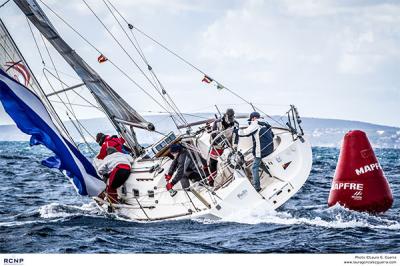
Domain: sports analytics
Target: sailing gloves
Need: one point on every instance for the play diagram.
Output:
(169, 186)
(168, 177)
(171, 191)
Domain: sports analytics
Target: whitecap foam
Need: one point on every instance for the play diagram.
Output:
(334, 217)
(58, 210)
(16, 223)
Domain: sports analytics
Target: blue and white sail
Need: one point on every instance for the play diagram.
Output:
(32, 117)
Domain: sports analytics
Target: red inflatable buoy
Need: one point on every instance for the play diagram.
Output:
(359, 183)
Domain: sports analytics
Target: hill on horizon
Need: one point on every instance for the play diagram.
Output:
(321, 132)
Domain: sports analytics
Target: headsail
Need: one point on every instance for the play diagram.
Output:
(14, 64)
(32, 118)
(118, 110)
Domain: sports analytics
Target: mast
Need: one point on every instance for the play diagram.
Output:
(118, 111)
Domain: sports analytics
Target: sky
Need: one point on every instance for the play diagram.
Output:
(332, 59)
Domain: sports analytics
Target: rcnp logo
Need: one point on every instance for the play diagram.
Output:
(13, 261)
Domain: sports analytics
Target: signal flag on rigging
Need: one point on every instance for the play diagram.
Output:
(102, 59)
(207, 79)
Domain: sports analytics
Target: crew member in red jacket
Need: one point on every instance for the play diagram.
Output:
(106, 141)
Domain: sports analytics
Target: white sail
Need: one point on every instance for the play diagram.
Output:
(14, 64)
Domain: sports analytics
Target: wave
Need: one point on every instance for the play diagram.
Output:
(55, 212)
(334, 217)
(58, 210)
(17, 223)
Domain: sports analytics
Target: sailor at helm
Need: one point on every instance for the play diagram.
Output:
(184, 167)
(224, 134)
(262, 136)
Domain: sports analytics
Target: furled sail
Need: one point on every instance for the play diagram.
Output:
(118, 110)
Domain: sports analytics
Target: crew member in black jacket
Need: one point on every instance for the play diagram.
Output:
(184, 167)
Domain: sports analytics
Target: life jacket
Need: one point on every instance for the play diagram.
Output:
(110, 141)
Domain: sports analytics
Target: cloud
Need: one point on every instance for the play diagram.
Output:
(319, 48)
(302, 32)
(146, 6)
(310, 53)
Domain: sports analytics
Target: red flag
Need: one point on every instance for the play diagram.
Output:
(101, 59)
(207, 79)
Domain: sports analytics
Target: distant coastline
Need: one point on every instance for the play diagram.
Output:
(322, 132)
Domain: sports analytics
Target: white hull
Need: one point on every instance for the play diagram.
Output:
(146, 199)
(144, 194)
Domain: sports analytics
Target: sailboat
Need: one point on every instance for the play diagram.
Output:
(144, 197)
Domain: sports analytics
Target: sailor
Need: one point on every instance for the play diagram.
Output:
(106, 141)
(115, 168)
(184, 167)
(218, 142)
(262, 136)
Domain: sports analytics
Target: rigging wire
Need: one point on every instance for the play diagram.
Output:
(82, 136)
(5, 3)
(187, 114)
(36, 43)
(38, 90)
(64, 73)
(131, 59)
(67, 108)
(58, 96)
(141, 53)
(41, 92)
(80, 96)
(137, 47)
(131, 27)
(74, 104)
(59, 78)
(81, 126)
(97, 50)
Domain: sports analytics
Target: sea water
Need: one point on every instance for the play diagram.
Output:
(40, 212)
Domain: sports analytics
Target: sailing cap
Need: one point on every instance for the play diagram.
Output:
(99, 136)
(230, 115)
(254, 114)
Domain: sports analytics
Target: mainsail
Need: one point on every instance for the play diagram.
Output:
(117, 109)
